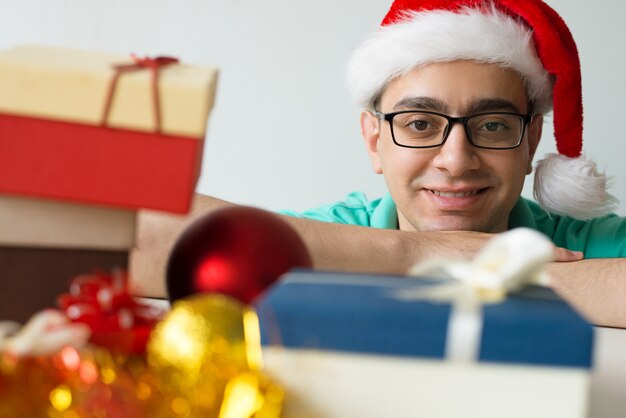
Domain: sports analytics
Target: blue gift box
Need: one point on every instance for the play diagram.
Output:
(360, 313)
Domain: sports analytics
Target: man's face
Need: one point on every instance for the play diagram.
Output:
(455, 186)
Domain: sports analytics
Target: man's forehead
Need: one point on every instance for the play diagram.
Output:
(458, 86)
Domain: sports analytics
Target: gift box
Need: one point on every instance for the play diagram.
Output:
(359, 345)
(45, 223)
(99, 128)
(44, 243)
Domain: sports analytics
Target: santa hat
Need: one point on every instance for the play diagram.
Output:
(524, 35)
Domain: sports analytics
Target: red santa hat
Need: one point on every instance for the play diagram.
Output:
(524, 35)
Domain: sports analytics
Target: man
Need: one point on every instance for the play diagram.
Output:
(454, 95)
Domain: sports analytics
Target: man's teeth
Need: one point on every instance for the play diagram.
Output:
(450, 194)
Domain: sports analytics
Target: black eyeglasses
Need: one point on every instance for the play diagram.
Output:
(422, 129)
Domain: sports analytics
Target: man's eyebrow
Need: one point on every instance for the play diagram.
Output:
(436, 105)
(422, 103)
(490, 105)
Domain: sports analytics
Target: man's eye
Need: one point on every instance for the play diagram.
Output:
(419, 125)
(494, 126)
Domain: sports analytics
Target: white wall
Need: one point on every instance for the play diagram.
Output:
(284, 133)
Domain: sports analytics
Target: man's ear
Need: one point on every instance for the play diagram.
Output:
(534, 136)
(370, 130)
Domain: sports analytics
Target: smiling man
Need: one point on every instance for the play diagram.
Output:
(454, 94)
(453, 174)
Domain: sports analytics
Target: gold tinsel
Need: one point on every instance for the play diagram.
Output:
(202, 361)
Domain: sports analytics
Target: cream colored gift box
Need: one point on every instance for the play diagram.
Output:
(57, 140)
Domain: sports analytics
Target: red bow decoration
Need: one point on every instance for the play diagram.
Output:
(152, 64)
(117, 321)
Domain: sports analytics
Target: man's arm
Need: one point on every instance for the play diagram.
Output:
(332, 246)
(596, 287)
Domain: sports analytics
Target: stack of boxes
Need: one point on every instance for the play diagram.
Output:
(87, 139)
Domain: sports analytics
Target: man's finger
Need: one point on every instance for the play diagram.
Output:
(563, 254)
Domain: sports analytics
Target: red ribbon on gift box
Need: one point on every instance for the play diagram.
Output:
(117, 321)
(152, 64)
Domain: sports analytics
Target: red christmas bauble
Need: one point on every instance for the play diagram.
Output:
(236, 251)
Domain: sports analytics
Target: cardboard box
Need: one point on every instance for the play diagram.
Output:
(347, 345)
(45, 243)
(42, 223)
(58, 141)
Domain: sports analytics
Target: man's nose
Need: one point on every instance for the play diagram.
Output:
(457, 155)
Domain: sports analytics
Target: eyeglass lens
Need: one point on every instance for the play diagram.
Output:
(417, 129)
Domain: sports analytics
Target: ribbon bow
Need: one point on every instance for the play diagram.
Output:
(46, 333)
(508, 262)
(152, 64)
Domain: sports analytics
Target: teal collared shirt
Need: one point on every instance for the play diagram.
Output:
(603, 237)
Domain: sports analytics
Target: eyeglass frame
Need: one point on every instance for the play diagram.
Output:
(451, 122)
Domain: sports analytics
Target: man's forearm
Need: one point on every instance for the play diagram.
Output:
(363, 249)
(332, 246)
(596, 287)
(353, 248)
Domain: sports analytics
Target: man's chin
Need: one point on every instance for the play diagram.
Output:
(454, 223)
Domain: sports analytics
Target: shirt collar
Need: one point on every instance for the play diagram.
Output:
(386, 214)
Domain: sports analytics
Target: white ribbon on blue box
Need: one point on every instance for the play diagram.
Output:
(432, 317)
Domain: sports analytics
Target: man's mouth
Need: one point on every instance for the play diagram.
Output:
(467, 193)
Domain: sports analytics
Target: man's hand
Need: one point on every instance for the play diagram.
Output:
(564, 255)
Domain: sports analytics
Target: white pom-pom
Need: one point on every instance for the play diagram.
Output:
(573, 187)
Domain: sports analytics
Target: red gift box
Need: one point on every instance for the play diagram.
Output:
(102, 129)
